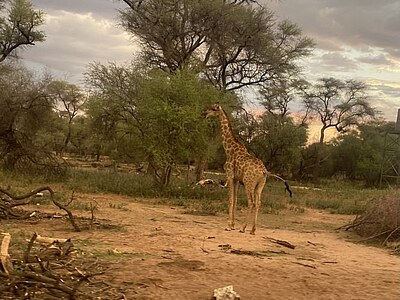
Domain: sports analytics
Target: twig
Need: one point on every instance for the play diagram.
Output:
(305, 265)
(311, 243)
(202, 247)
(374, 236)
(388, 237)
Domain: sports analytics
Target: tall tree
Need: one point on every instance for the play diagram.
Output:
(69, 99)
(233, 44)
(337, 104)
(19, 23)
(112, 103)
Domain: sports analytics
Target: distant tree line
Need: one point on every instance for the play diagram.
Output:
(194, 53)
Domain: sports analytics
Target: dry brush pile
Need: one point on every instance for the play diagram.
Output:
(48, 268)
(380, 222)
(52, 269)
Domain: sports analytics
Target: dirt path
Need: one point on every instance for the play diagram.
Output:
(158, 252)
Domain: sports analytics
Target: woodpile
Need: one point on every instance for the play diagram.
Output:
(51, 269)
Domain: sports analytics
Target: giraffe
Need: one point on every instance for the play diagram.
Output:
(241, 167)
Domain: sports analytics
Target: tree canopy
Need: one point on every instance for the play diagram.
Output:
(336, 103)
(19, 27)
(231, 43)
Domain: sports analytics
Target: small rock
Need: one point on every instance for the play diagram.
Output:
(225, 293)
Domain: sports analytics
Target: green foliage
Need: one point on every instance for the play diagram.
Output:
(26, 112)
(358, 155)
(156, 118)
(68, 99)
(171, 108)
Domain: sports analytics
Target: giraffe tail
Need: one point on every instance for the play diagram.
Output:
(287, 187)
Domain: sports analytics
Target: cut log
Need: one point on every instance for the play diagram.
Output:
(6, 265)
(49, 240)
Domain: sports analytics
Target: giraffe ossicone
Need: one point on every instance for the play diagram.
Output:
(241, 167)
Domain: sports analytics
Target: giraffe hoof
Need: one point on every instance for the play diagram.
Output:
(241, 231)
(229, 229)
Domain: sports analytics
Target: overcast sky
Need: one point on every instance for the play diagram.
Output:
(356, 39)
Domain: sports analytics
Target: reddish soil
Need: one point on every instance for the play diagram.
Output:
(159, 252)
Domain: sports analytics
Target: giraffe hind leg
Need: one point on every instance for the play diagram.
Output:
(257, 201)
(250, 207)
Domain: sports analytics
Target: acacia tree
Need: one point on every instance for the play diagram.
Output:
(70, 100)
(338, 104)
(19, 23)
(232, 43)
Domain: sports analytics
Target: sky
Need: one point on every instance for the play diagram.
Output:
(355, 39)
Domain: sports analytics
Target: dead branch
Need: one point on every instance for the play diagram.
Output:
(280, 242)
(258, 254)
(16, 201)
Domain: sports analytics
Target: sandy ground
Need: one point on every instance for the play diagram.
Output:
(163, 253)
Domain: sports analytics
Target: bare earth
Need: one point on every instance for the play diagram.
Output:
(167, 254)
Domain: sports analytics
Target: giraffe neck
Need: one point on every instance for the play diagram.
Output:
(229, 140)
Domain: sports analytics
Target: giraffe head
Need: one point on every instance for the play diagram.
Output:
(212, 111)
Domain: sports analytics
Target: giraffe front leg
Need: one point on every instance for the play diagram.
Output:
(250, 207)
(232, 205)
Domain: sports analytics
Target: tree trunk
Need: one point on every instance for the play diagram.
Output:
(200, 167)
(318, 153)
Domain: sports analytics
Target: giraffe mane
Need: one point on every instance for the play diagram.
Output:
(231, 130)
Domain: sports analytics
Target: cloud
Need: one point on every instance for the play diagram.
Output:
(337, 61)
(356, 23)
(357, 39)
(102, 8)
(76, 39)
(381, 59)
